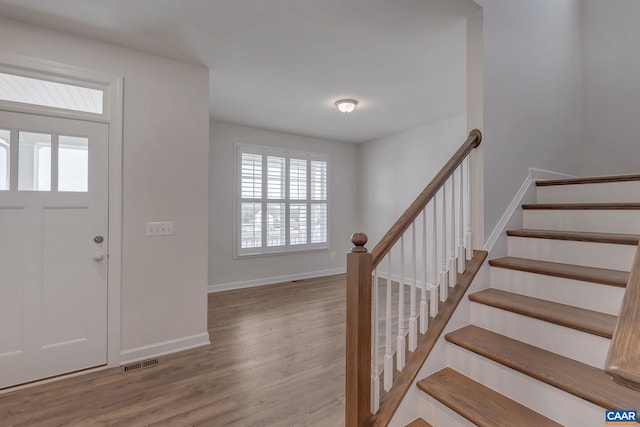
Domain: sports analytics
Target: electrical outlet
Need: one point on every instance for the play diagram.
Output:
(160, 228)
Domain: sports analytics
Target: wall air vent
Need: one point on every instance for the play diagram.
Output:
(140, 365)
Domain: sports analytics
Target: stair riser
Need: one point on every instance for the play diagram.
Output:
(590, 254)
(592, 296)
(578, 345)
(439, 414)
(611, 192)
(543, 398)
(605, 221)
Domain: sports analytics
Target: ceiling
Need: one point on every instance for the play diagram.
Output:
(281, 64)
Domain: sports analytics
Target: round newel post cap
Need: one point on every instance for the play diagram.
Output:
(359, 240)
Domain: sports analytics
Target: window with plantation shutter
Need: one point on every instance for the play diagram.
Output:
(281, 201)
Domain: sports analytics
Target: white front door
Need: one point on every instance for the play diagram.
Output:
(53, 246)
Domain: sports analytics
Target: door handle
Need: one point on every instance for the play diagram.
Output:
(98, 256)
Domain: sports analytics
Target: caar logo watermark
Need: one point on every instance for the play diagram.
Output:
(621, 417)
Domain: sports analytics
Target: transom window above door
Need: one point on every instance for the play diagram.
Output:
(43, 161)
(48, 93)
(282, 201)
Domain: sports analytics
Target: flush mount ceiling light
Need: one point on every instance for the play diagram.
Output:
(346, 105)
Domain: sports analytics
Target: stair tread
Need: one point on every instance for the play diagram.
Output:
(581, 206)
(479, 404)
(418, 422)
(581, 380)
(579, 236)
(581, 319)
(589, 180)
(568, 271)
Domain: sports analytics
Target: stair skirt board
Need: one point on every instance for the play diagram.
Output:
(613, 192)
(590, 254)
(604, 221)
(587, 295)
(581, 346)
(549, 401)
(526, 193)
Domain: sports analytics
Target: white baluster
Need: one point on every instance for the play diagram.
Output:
(461, 255)
(388, 355)
(375, 371)
(443, 283)
(413, 315)
(433, 296)
(469, 212)
(400, 353)
(453, 265)
(424, 319)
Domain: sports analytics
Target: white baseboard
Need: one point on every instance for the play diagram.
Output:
(529, 183)
(219, 287)
(164, 348)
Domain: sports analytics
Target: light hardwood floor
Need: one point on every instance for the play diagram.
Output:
(276, 359)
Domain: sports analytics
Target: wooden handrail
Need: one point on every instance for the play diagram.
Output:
(623, 360)
(360, 265)
(412, 212)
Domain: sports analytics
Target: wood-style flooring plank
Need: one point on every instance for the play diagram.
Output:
(568, 271)
(581, 319)
(480, 405)
(276, 359)
(579, 379)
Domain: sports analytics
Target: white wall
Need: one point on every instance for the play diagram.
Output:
(165, 164)
(395, 169)
(226, 272)
(532, 95)
(611, 38)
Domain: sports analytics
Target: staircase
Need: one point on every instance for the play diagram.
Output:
(539, 336)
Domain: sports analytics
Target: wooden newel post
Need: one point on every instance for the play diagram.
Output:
(358, 375)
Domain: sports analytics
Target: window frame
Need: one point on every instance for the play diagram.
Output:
(6, 146)
(287, 248)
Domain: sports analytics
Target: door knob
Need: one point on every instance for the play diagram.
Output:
(98, 256)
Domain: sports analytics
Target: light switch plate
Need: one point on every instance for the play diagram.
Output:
(164, 228)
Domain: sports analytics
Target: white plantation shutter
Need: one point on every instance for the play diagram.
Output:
(251, 166)
(282, 201)
(297, 179)
(318, 185)
(318, 180)
(318, 222)
(276, 177)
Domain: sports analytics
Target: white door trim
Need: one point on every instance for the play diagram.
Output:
(113, 115)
